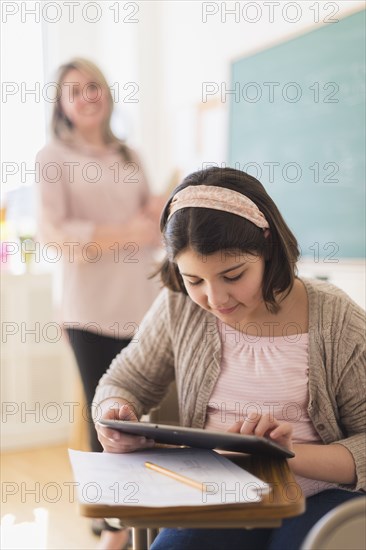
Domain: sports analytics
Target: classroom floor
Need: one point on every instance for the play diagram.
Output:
(41, 479)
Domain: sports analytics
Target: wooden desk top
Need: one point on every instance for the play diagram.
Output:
(285, 500)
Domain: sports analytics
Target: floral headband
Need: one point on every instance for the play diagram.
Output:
(218, 198)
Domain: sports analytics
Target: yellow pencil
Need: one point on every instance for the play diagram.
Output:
(174, 475)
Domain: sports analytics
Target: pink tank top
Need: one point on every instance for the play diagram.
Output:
(264, 375)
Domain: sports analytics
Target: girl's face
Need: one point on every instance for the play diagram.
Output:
(227, 285)
(83, 101)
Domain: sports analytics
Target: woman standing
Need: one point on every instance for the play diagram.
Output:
(95, 204)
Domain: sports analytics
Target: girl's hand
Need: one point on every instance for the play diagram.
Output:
(265, 426)
(114, 441)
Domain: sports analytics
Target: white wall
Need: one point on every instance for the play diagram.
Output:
(22, 112)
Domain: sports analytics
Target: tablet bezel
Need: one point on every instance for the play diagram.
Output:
(198, 438)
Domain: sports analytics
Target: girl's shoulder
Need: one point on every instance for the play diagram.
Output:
(334, 312)
(327, 293)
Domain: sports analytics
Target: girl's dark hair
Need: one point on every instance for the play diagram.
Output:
(207, 231)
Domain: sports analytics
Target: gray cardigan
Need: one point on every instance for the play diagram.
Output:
(179, 340)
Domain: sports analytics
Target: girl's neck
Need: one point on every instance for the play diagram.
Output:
(293, 316)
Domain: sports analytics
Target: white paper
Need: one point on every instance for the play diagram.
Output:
(123, 479)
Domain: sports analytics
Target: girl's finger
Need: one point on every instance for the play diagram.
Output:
(264, 424)
(113, 442)
(283, 430)
(121, 448)
(127, 413)
(250, 423)
(235, 428)
(115, 435)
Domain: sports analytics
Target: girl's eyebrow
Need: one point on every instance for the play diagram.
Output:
(221, 273)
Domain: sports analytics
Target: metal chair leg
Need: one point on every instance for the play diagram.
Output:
(151, 535)
(139, 539)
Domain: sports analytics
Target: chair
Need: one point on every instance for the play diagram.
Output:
(168, 412)
(343, 528)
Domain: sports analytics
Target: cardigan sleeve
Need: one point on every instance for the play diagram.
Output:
(351, 394)
(143, 370)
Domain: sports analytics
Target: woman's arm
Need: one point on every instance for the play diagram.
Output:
(142, 372)
(56, 224)
(333, 463)
(350, 376)
(141, 230)
(53, 216)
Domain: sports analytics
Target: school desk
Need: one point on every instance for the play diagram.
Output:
(285, 500)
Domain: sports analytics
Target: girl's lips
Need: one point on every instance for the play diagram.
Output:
(227, 310)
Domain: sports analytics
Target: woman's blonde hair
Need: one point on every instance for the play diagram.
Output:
(61, 126)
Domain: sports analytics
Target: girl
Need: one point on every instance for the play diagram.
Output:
(253, 348)
(94, 201)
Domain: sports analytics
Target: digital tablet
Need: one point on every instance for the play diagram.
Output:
(204, 439)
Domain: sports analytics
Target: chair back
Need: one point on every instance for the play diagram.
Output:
(168, 412)
(343, 528)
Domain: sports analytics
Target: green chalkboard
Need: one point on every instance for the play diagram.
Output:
(297, 122)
